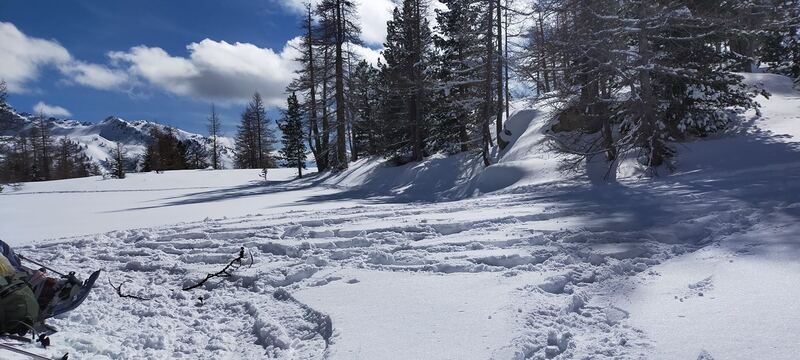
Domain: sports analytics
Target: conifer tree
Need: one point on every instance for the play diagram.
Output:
(3, 93)
(458, 76)
(118, 162)
(363, 98)
(294, 149)
(308, 82)
(43, 147)
(214, 132)
(338, 21)
(407, 51)
(255, 139)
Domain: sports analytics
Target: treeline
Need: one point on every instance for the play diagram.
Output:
(166, 152)
(628, 77)
(436, 91)
(255, 137)
(36, 156)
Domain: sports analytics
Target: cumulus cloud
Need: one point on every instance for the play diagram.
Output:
(50, 110)
(215, 70)
(22, 57)
(93, 75)
(372, 16)
(368, 54)
(210, 71)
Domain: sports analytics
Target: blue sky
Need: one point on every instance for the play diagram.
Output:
(157, 60)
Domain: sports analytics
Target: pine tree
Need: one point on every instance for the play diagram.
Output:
(363, 98)
(43, 148)
(118, 162)
(307, 83)
(3, 94)
(781, 43)
(338, 16)
(255, 139)
(458, 77)
(408, 54)
(195, 153)
(165, 151)
(214, 132)
(294, 149)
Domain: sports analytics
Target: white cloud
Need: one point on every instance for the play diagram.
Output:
(22, 57)
(215, 70)
(93, 75)
(212, 70)
(368, 54)
(372, 16)
(51, 110)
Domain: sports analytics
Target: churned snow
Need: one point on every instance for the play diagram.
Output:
(441, 259)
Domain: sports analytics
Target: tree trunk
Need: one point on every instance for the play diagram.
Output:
(648, 136)
(542, 56)
(326, 127)
(505, 63)
(500, 88)
(488, 75)
(312, 105)
(341, 130)
(415, 106)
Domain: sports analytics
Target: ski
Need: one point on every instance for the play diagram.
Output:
(75, 301)
(29, 354)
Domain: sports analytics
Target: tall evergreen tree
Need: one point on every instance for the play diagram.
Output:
(340, 24)
(255, 139)
(408, 54)
(3, 93)
(165, 151)
(118, 162)
(294, 148)
(364, 101)
(214, 132)
(307, 83)
(458, 76)
(43, 147)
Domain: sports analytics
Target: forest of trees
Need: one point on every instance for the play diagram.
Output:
(35, 155)
(627, 77)
(255, 138)
(166, 152)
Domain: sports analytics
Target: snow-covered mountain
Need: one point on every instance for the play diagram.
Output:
(98, 139)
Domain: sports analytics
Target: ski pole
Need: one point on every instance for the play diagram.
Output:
(37, 263)
(30, 354)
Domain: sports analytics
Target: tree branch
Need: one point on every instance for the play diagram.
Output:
(119, 291)
(224, 272)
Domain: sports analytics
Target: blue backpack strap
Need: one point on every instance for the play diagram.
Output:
(12, 257)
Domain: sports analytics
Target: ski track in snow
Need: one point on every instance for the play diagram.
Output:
(543, 266)
(581, 247)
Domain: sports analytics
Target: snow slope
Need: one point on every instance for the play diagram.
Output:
(424, 262)
(737, 297)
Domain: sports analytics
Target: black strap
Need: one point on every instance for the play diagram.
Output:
(11, 289)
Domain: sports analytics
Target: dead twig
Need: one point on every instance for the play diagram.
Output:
(119, 291)
(222, 273)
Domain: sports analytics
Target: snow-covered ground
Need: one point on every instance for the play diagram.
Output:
(440, 259)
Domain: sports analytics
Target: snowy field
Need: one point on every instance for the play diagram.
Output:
(441, 259)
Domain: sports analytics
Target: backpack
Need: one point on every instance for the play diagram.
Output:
(18, 306)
